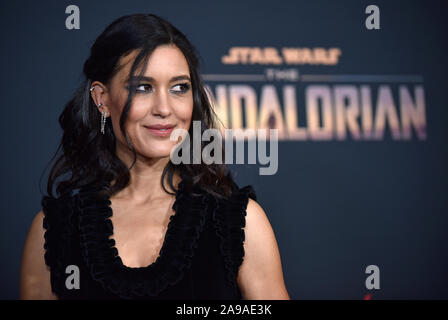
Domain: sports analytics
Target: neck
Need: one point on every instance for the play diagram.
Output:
(145, 178)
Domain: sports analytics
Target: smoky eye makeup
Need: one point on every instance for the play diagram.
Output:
(182, 88)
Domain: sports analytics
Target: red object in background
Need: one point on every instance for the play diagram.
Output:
(367, 296)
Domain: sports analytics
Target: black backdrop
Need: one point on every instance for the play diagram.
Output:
(337, 204)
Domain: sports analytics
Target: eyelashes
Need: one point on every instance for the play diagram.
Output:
(184, 88)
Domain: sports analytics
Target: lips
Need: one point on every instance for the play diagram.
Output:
(160, 126)
(160, 129)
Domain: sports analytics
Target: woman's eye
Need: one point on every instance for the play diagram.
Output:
(181, 88)
(146, 86)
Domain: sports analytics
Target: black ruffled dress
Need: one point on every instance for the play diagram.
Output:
(199, 258)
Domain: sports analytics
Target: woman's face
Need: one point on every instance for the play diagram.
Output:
(163, 97)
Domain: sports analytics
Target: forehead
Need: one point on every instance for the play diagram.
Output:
(165, 61)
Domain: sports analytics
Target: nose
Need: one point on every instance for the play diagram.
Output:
(161, 105)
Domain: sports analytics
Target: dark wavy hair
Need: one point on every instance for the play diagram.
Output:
(85, 156)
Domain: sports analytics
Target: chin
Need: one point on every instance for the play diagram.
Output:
(158, 153)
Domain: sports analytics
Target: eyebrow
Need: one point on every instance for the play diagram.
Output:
(151, 79)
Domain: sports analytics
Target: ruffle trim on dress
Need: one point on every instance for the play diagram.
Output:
(88, 210)
(230, 220)
(101, 255)
(58, 224)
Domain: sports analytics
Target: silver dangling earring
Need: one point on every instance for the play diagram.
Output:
(103, 119)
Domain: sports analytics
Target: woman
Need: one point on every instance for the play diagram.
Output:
(114, 230)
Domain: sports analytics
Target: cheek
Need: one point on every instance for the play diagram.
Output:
(184, 113)
(137, 112)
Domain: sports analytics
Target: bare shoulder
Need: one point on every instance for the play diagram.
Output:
(34, 274)
(260, 275)
(36, 234)
(256, 217)
(36, 228)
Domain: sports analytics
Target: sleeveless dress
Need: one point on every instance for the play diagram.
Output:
(199, 258)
